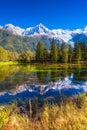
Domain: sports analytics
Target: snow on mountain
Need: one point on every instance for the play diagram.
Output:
(77, 31)
(60, 34)
(85, 31)
(39, 29)
(14, 29)
(65, 35)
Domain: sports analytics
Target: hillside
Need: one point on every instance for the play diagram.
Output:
(16, 43)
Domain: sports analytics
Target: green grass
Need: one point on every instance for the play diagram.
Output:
(9, 63)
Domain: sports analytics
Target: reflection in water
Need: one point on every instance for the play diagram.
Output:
(29, 81)
(6, 71)
(80, 74)
(42, 76)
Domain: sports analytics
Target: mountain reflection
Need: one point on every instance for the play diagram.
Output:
(13, 76)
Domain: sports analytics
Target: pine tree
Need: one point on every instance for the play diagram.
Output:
(45, 54)
(77, 52)
(54, 52)
(40, 52)
(70, 54)
(84, 51)
(64, 53)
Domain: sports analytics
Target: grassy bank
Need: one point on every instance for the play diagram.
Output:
(14, 63)
(71, 115)
(44, 65)
(10, 63)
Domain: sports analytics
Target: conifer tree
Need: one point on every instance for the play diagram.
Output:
(64, 53)
(77, 52)
(40, 52)
(54, 52)
(70, 53)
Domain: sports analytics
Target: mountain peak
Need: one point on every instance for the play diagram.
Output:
(41, 26)
(8, 25)
(14, 29)
(36, 30)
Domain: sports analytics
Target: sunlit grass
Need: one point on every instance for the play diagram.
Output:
(9, 63)
(72, 115)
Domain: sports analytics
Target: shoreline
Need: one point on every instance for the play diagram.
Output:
(44, 64)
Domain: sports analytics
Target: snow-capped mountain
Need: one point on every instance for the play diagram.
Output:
(40, 30)
(14, 29)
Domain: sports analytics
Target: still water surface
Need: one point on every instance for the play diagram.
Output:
(20, 82)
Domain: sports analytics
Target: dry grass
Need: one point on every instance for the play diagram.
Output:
(66, 117)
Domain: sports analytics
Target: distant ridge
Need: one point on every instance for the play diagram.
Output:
(40, 29)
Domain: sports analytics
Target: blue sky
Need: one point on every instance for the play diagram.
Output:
(66, 14)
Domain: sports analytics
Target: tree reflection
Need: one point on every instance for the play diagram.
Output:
(5, 71)
(80, 74)
(42, 76)
(54, 75)
(12, 76)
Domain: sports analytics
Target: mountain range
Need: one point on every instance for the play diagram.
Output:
(17, 39)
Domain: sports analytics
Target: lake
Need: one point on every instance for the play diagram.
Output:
(21, 82)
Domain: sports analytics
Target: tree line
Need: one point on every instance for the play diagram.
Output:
(62, 53)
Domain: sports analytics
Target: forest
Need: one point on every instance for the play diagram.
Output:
(57, 54)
